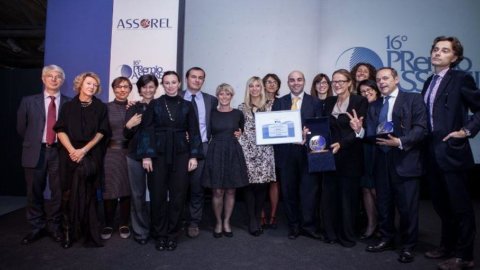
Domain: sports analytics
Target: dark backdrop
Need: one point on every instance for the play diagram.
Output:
(16, 83)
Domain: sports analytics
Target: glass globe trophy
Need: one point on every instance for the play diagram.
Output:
(384, 128)
(320, 157)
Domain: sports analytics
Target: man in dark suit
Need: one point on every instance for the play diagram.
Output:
(398, 161)
(203, 105)
(449, 94)
(35, 119)
(299, 188)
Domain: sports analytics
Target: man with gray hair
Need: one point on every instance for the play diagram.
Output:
(36, 117)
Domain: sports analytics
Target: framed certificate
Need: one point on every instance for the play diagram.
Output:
(277, 127)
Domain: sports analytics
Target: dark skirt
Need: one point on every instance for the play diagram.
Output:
(79, 199)
(225, 164)
(116, 174)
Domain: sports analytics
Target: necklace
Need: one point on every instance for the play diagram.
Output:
(85, 104)
(168, 111)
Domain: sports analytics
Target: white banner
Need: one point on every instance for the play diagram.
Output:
(144, 40)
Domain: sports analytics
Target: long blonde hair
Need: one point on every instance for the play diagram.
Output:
(263, 97)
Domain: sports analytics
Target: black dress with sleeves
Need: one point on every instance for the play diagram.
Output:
(81, 122)
(225, 163)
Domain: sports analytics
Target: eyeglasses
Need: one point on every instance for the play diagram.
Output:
(52, 77)
(340, 82)
(368, 90)
(323, 83)
(122, 87)
(272, 82)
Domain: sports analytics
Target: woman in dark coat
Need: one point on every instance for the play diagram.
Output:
(341, 187)
(82, 127)
(140, 218)
(169, 144)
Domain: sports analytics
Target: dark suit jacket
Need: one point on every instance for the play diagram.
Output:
(456, 94)
(311, 108)
(31, 117)
(349, 159)
(211, 103)
(409, 118)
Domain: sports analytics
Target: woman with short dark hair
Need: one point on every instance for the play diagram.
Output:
(140, 218)
(116, 189)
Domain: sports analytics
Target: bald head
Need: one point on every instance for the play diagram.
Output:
(296, 82)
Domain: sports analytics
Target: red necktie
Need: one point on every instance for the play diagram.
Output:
(51, 119)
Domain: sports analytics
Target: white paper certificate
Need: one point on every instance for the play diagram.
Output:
(277, 127)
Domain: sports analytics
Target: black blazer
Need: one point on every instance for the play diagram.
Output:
(349, 159)
(311, 108)
(456, 94)
(31, 117)
(409, 118)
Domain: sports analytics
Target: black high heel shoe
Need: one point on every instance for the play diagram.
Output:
(273, 223)
(366, 236)
(217, 234)
(67, 240)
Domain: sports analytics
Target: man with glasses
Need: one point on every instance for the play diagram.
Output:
(398, 163)
(299, 187)
(203, 104)
(449, 94)
(36, 117)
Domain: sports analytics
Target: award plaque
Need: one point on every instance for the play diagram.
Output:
(320, 157)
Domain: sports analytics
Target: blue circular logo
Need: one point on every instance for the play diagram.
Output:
(126, 71)
(350, 57)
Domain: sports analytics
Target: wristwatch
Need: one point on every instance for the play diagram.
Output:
(467, 132)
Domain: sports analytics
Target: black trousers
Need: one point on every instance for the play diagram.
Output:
(41, 213)
(299, 190)
(451, 200)
(340, 207)
(168, 188)
(393, 191)
(197, 191)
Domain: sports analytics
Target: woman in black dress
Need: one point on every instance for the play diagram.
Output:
(169, 144)
(341, 187)
(82, 127)
(369, 90)
(225, 165)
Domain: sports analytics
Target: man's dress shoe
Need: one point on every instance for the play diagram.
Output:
(161, 245)
(439, 253)
(455, 263)
(313, 235)
(380, 246)
(406, 256)
(293, 234)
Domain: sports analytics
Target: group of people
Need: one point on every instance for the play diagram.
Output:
(186, 141)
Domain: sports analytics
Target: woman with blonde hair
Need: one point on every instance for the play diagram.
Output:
(259, 158)
(225, 168)
(82, 128)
